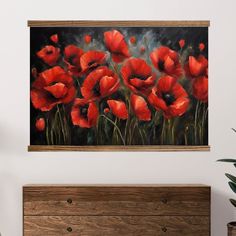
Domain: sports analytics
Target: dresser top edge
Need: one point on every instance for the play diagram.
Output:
(117, 185)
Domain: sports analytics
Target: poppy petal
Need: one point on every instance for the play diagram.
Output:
(200, 89)
(92, 114)
(179, 107)
(49, 54)
(166, 83)
(40, 100)
(140, 107)
(108, 85)
(118, 108)
(195, 67)
(92, 59)
(58, 90)
(156, 102)
(116, 44)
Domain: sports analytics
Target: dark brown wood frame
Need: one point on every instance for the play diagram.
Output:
(146, 148)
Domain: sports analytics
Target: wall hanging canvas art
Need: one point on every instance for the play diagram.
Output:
(118, 85)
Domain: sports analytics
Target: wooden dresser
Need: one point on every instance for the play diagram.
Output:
(126, 210)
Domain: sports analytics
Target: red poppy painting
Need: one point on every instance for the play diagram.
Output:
(119, 86)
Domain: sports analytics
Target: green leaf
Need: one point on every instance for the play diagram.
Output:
(227, 160)
(233, 202)
(231, 177)
(232, 186)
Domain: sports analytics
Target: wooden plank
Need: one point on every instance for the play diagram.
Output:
(116, 226)
(70, 23)
(131, 148)
(116, 201)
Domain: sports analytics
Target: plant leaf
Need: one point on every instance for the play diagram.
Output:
(227, 160)
(231, 177)
(232, 186)
(233, 202)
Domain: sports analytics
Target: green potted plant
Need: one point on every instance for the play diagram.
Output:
(232, 183)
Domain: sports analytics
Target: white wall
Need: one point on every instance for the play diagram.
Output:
(18, 167)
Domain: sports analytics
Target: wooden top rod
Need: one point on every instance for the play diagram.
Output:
(73, 23)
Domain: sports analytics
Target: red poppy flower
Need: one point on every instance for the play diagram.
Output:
(142, 49)
(133, 39)
(101, 82)
(196, 67)
(92, 59)
(87, 38)
(169, 96)
(181, 43)
(201, 46)
(140, 107)
(40, 124)
(166, 61)
(72, 55)
(116, 44)
(200, 88)
(54, 38)
(84, 113)
(118, 108)
(49, 54)
(52, 86)
(138, 76)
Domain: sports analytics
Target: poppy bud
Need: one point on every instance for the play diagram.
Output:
(106, 110)
(40, 124)
(54, 38)
(201, 46)
(181, 43)
(87, 38)
(133, 39)
(142, 49)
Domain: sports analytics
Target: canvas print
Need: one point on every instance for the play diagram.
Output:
(118, 86)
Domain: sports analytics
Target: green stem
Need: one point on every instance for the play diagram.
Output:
(47, 132)
(195, 122)
(118, 130)
(173, 131)
(163, 131)
(62, 125)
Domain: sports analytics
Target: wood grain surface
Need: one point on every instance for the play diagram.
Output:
(116, 201)
(131, 148)
(116, 225)
(65, 23)
(112, 210)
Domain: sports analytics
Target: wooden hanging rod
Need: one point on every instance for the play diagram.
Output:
(51, 23)
(131, 148)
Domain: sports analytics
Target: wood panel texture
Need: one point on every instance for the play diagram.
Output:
(65, 23)
(117, 225)
(131, 148)
(116, 210)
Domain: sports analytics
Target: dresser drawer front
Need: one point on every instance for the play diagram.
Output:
(108, 201)
(116, 225)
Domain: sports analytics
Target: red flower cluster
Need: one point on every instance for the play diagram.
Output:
(197, 70)
(99, 78)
